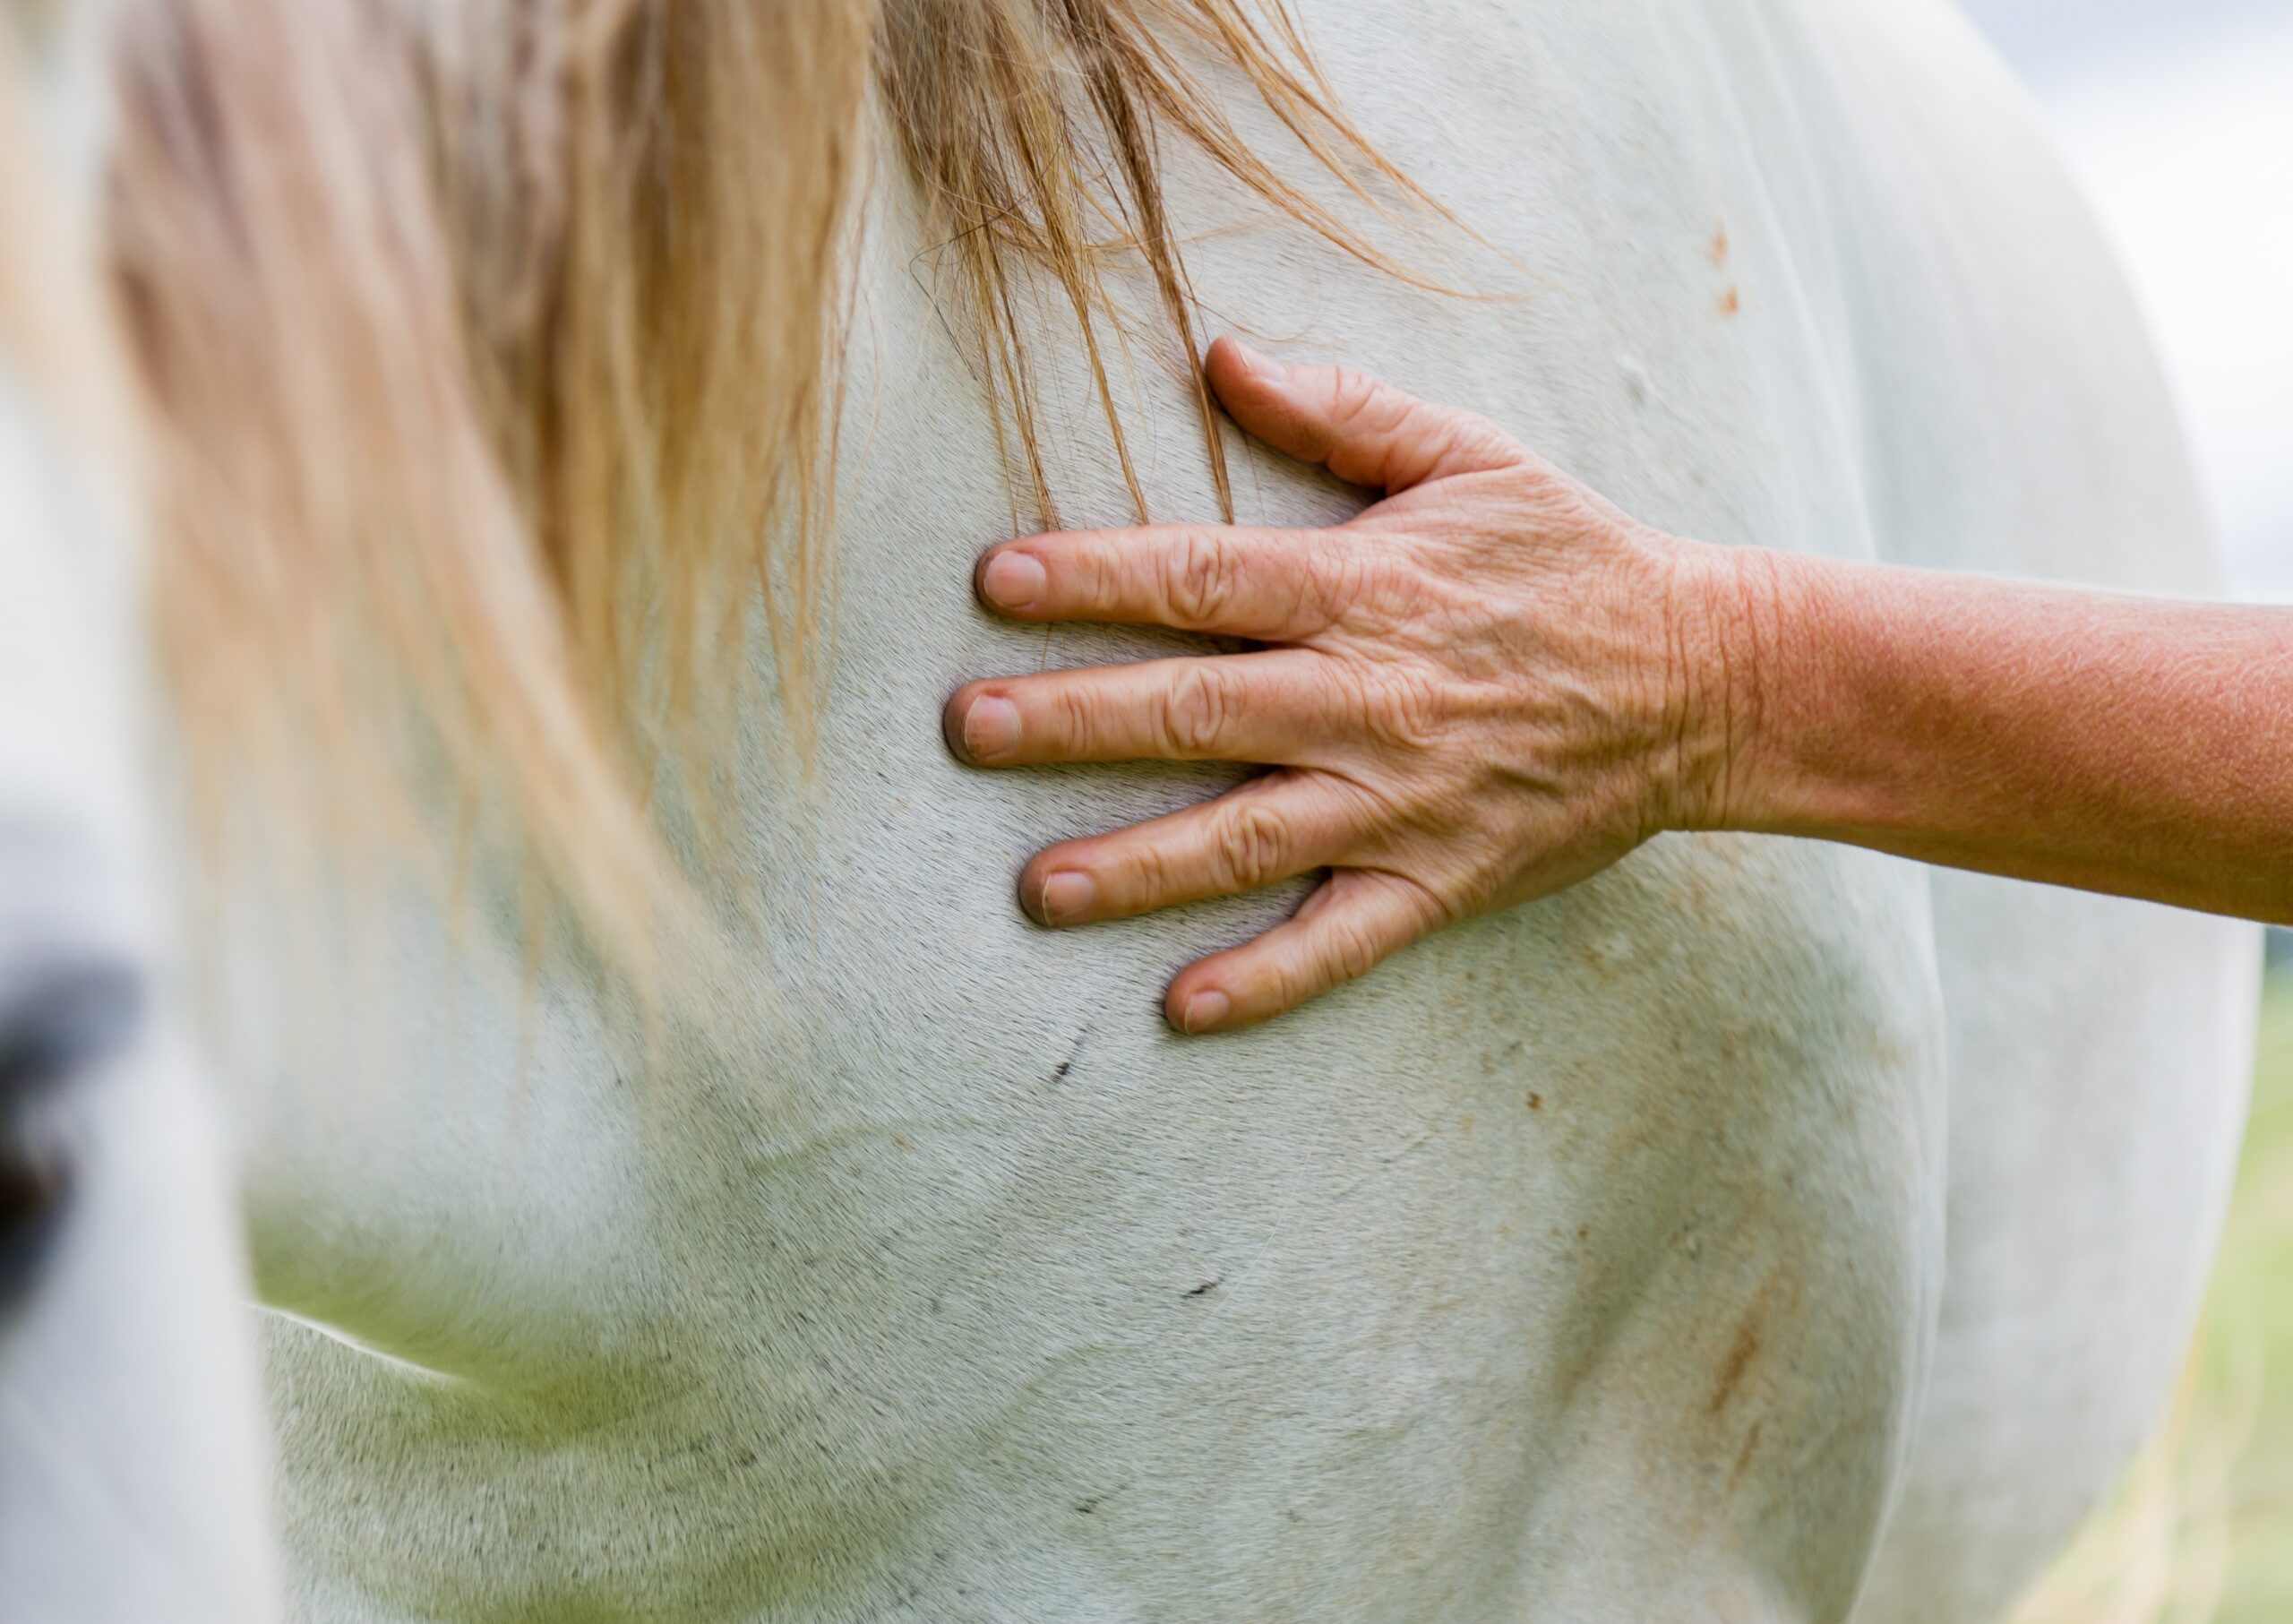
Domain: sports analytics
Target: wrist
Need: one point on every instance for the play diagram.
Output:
(1732, 615)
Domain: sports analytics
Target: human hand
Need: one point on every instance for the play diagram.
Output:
(1489, 686)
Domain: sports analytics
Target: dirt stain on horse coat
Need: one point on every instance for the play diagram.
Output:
(1744, 1348)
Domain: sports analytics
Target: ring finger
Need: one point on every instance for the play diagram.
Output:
(1269, 829)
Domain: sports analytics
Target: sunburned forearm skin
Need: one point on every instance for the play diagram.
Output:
(2114, 744)
(1491, 684)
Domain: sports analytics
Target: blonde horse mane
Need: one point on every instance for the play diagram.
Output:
(491, 351)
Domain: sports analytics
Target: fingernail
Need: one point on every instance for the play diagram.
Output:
(1261, 366)
(1012, 581)
(1066, 896)
(1205, 1011)
(991, 727)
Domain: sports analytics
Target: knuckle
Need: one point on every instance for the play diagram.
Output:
(1151, 875)
(1197, 708)
(1488, 442)
(1341, 577)
(1438, 905)
(1254, 845)
(1356, 398)
(1075, 717)
(1101, 575)
(1351, 951)
(1551, 501)
(1402, 710)
(1450, 443)
(1537, 477)
(1203, 578)
(1288, 981)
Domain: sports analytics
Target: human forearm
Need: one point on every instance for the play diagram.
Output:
(1492, 684)
(2117, 744)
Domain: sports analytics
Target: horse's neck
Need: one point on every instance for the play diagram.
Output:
(893, 977)
(1696, 388)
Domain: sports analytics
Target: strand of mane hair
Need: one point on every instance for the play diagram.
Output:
(491, 359)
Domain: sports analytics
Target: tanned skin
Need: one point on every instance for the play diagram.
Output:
(1492, 684)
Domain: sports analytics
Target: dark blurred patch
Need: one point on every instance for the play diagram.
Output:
(58, 1024)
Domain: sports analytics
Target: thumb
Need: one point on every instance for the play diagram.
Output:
(1363, 431)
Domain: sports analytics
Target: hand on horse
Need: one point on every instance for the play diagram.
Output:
(1479, 691)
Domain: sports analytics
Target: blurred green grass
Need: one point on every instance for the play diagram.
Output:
(2201, 1530)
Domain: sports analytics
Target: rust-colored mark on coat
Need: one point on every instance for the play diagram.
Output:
(1743, 1349)
(1730, 301)
(1744, 1458)
(1742, 1352)
(1720, 246)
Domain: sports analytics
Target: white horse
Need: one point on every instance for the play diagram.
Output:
(132, 1460)
(1762, 1230)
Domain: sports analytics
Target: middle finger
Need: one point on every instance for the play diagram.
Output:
(1265, 708)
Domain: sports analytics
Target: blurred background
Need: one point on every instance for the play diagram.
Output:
(2178, 116)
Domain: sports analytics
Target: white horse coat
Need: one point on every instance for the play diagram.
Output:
(131, 1483)
(1630, 1256)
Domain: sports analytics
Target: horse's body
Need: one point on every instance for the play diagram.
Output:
(1587, 1262)
(131, 1442)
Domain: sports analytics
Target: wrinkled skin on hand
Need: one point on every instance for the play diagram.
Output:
(1479, 691)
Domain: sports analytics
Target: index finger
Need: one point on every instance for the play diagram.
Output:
(1361, 429)
(1270, 586)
